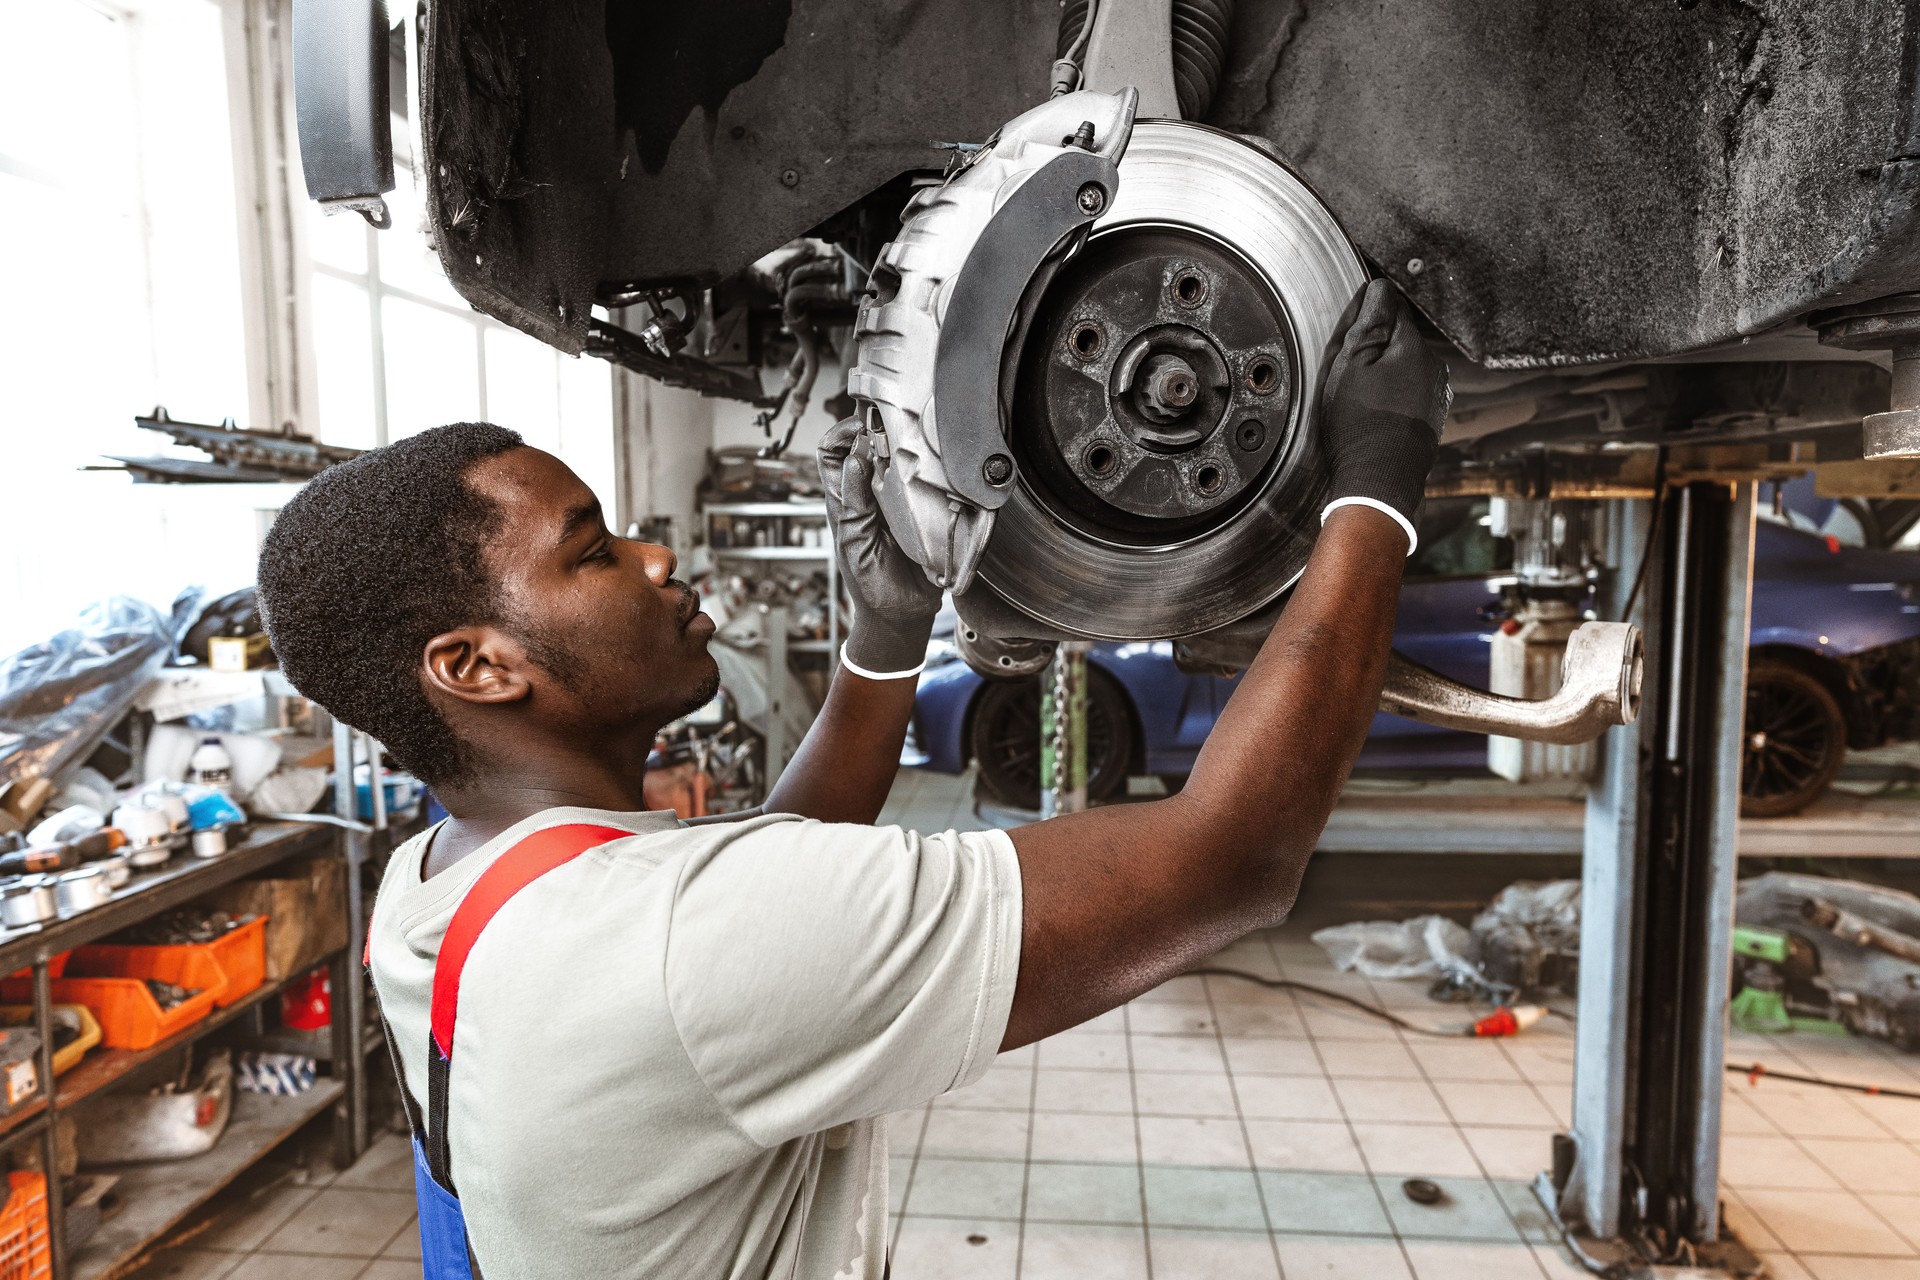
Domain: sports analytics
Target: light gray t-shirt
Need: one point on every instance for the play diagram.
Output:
(671, 1051)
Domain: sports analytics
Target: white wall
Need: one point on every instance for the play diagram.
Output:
(733, 422)
(667, 433)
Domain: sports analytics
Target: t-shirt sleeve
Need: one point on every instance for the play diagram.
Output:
(822, 973)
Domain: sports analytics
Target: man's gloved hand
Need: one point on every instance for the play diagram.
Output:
(893, 601)
(1384, 400)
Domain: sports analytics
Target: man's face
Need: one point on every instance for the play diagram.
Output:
(620, 639)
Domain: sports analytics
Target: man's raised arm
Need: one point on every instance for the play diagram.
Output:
(1117, 900)
(846, 763)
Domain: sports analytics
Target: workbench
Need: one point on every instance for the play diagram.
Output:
(156, 1197)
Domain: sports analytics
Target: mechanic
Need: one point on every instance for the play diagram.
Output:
(676, 1049)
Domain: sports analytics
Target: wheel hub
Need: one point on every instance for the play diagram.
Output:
(1157, 389)
(1168, 483)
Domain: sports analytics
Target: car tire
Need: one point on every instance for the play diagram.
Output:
(1005, 740)
(1794, 740)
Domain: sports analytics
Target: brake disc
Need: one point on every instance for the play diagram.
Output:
(1169, 481)
(1086, 367)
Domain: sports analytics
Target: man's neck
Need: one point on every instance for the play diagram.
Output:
(497, 798)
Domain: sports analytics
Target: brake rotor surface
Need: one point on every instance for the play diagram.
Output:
(1169, 479)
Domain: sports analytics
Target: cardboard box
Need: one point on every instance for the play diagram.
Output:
(239, 653)
(305, 904)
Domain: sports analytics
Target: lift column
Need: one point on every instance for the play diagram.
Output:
(1639, 1179)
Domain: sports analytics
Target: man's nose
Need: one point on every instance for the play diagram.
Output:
(660, 562)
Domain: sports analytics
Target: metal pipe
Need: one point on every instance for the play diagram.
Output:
(1599, 688)
(50, 1136)
(343, 798)
(1678, 640)
(376, 782)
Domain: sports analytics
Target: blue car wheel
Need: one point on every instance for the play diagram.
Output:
(1005, 736)
(1795, 738)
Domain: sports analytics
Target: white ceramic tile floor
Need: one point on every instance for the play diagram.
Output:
(356, 1225)
(1245, 1132)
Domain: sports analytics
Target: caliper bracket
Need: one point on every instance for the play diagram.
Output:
(1015, 254)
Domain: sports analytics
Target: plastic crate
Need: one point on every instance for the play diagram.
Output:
(242, 954)
(26, 1251)
(55, 967)
(229, 967)
(21, 1015)
(129, 1016)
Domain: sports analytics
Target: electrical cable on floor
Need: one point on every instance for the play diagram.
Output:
(1753, 1071)
(1288, 984)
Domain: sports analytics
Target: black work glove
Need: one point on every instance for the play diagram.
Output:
(893, 601)
(1384, 400)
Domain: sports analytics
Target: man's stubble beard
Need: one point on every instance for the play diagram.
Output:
(566, 668)
(708, 688)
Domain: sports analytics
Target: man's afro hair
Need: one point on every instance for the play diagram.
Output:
(373, 558)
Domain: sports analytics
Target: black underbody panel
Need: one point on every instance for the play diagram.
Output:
(1587, 181)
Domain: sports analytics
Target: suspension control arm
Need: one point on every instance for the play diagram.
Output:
(1599, 688)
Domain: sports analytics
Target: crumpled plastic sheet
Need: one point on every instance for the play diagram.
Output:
(60, 697)
(1423, 947)
(1549, 910)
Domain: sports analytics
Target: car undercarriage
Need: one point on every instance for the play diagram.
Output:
(1653, 244)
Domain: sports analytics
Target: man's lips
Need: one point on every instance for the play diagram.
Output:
(689, 608)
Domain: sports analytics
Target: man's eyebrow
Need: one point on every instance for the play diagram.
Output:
(578, 518)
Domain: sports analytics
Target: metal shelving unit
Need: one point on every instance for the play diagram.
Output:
(774, 553)
(159, 1196)
(805, 555)
(779, 644)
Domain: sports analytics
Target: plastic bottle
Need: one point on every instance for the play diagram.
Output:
(211, 766)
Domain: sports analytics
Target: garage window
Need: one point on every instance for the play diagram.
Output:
(399, 351)
(122, 286)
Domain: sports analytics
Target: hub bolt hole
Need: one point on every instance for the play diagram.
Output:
(1190, 290)
(1263, 376)
(1088, 339)
(1207, 479)
(1252, 434)
(1100, 460)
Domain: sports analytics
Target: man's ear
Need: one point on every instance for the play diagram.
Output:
(477, 664)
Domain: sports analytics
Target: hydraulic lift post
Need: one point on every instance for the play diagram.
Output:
(1638, 1182)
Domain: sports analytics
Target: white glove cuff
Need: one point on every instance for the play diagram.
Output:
(1406, 525)
(859, 670)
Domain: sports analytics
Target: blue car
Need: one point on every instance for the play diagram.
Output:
(1834, 664)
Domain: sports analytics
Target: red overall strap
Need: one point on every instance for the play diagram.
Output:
(511, 872)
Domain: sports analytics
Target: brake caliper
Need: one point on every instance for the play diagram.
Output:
(951, 297)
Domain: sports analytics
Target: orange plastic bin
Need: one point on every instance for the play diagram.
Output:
(26, 1251)
(114, 987)
(229, 967)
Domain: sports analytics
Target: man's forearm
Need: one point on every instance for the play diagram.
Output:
(1123, 897)
(1274, 765)
(846, 763)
